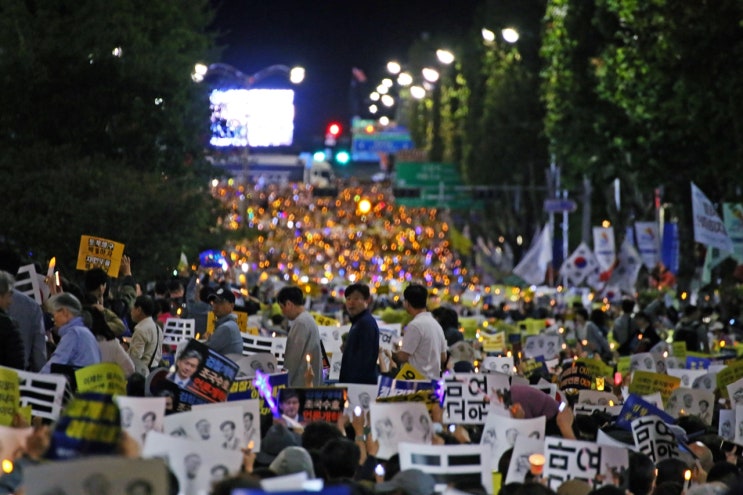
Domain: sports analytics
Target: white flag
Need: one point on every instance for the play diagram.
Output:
(580, 264)
(648, 243)
(708, 226)
(603, 246)
(628, 267)
(533, 265)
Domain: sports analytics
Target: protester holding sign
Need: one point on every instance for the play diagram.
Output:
(77, 346)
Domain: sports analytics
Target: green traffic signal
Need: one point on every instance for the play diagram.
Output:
(318, 156)
(343, 157)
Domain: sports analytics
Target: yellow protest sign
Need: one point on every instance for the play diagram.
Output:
(407, 372)
(107, 378)
(10, 395)
(242, 323)
(731, 373)
(679, 349)
(324, 321)
(96, 252)
(597, 367)
(647, 382)
(25, 412)
(532, 326)
(623, 364)
(427, 396)
(469, 327)
(493, 342)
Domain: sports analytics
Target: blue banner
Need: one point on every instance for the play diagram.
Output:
(636, 407)
(669, 252)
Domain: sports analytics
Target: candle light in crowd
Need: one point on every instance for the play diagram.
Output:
(56, 279)
(307, 357)
(52, 264)
(251, 444)
(536, 464)
(7, 466)
(585, 342)
(687, 480)
(273, 334)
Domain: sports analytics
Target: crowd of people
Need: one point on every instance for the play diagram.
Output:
(93, 322)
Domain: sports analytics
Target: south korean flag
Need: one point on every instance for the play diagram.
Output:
(580, 264)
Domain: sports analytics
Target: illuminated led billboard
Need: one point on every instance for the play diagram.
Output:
(252, 117)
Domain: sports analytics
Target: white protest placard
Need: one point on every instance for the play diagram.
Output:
(501, 364)
(707, 382)
(547, 346)
(45, 393)
(598, 398)
(196, 464)
(655, 399)
(519, 465)
(265, 362)
(735, 392)
(253, 344)
(726, 427)
(654, 438)
(738, 425)
(465, 400)
(500, 432)
(331, 337)
(335, 366)
(397, 422)
(177, 330)
(104, 475)
(595, 464)
(689, 401)
(447, 463)
(140, 415)
(250, 411)
(643, 361)
(361, 395)
(220, 426)
(686, 376)
(709, 229)
(27, 282)
(648, 243)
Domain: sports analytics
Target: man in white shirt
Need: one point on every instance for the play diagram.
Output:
(145, 347)
(423, 345)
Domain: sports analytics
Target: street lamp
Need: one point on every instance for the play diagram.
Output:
(510, 35)
(445, 56)
(232, 74)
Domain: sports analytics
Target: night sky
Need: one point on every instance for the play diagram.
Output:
(329, 38)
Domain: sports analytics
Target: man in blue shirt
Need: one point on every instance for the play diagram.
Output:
(360, 352)
(226, 338)
(77, 346)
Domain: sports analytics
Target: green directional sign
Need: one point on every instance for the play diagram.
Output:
(438, 183)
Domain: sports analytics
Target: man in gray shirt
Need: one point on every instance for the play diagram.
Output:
(226, 338)
(27, 313)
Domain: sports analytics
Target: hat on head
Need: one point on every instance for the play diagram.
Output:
(410, 481)
(464, 367)
(293, 460)
(277, 438)
(223, 294)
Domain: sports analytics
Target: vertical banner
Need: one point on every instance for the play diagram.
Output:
(708, 227)
(732, 215)
(603, 247)
(647, 236)
(669, 252)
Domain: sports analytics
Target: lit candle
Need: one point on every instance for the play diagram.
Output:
(307, 357)
(536, 464)
(7, 466)
(687, 479)
(52, 264)
(251, 444)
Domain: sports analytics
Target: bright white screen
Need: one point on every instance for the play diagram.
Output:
(255, 117)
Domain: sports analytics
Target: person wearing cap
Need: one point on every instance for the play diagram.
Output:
(226, 338)
(408, 482)
(77, 345)
(277, 438)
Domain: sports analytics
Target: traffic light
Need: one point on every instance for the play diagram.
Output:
(342, 157)
(334, 129)
(332, 133)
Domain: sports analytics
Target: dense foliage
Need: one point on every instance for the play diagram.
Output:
(99, 132)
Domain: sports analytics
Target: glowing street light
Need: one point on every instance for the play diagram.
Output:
(430, 75)
(387, 100)
(417, 92)
(445, 56)
(393, 67)
(488, 36)
(404, 79)
(510, 35)
(296, 75)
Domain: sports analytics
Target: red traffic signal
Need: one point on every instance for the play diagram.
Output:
(334, 129)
